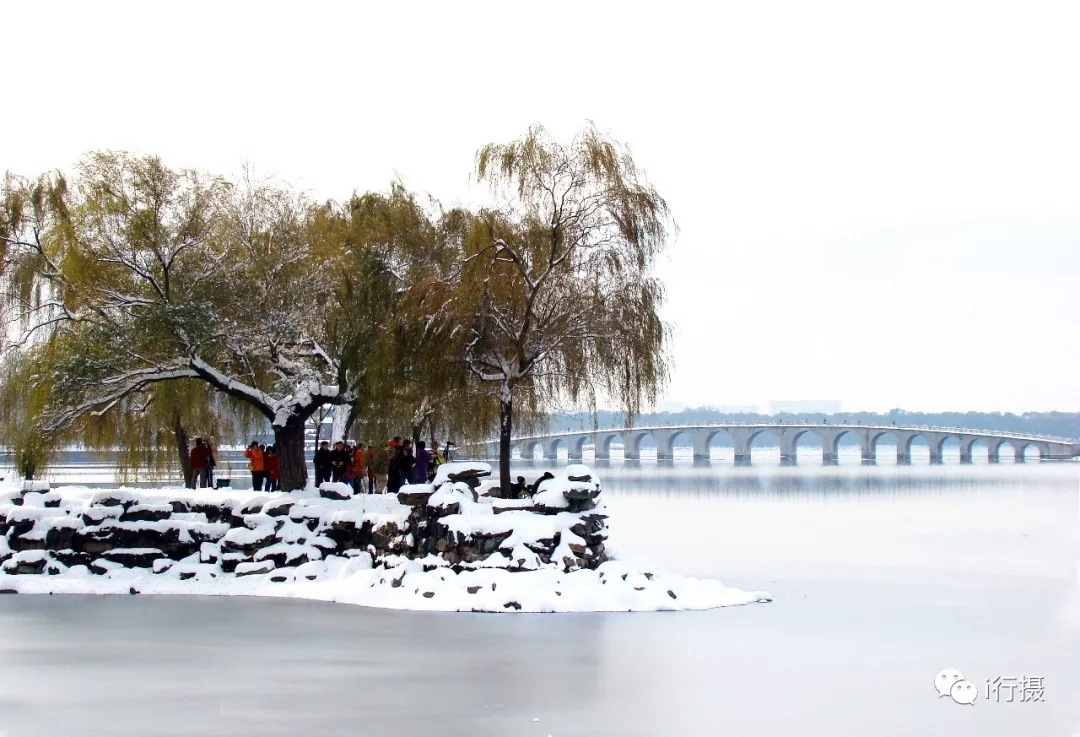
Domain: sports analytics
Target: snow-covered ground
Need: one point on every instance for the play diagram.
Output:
(309, 565)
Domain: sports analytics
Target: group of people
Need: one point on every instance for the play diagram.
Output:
(264, 466)
(358, 464)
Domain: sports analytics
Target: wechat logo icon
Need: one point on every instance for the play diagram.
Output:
(951, 682)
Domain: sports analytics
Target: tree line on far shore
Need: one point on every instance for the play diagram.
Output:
(143, 305)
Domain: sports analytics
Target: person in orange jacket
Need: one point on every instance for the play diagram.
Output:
(358, 468)
(256, 464)
(371, 469)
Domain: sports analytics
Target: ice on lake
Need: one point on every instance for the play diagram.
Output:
(883, 576)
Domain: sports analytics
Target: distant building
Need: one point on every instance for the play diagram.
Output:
(806, 407)
(737, 409)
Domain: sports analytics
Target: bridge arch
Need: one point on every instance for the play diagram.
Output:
(884, 438)
(903, 448)
(1029, 450)
(577, 446)
(843, 436)
(1001, 449)
(665, 442)
(706, 438)
(551, 451)
(602, 444)
(528, 448)
(763, 437)
(940, 443)
(808, 436)
(632, 443)
(972, 448)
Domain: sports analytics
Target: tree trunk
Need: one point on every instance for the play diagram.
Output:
(290, 449)
(344, 416)
(28, 469)
(183, 451)
(319, 417)
(506, 425)
(416, 436)
(350, 419)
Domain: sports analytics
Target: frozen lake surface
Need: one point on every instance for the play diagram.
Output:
(882, 576)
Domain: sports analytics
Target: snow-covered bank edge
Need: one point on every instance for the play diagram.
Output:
(613, 587)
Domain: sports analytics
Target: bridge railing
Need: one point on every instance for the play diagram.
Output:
(906, 428)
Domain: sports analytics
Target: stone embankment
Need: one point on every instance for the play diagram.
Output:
(192, 535)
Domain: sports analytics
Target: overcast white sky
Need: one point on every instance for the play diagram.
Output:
(879, 203)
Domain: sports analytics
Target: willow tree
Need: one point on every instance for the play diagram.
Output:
(556, 291)
(161, 276)
(24, 391)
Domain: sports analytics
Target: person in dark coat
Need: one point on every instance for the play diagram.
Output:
(536, 484)
(423, 462)
(322, 463)
(395, 472)
(407, 462)
(339, 462)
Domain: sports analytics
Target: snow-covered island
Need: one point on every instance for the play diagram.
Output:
(444, 546)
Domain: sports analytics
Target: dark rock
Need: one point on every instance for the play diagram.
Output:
(260, 567)
(229, 561)
(414, 498)
(577, 495)
(70, 558)
(52, 503)
(60, 538)
(512, 605)
(8, 591)
(98, 569)
(133, 590)
(333, 494)
(93, 542)
(180, 507)
(213, 512)
(278, 508)
(138, 558)
(472, 589)
(294, 556)
(672, 594)
(471, 477)
(108, 500)
(144, 514)
(429, 594)
(18, 529)
(95, 515)
(20, 543)
(187, 575)
(586, 477)
(497, 509)
(252, 506)
(36, 567)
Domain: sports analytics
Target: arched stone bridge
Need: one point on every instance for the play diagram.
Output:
(787, 436)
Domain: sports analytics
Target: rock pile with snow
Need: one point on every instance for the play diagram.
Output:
(441, 546)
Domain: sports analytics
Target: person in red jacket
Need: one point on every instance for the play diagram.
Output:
(200, 464)
(273, 468)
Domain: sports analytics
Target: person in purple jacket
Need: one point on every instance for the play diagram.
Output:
(420, 468)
